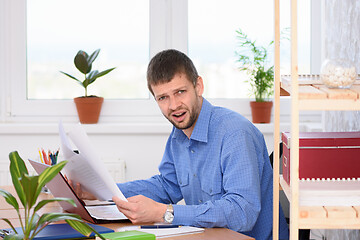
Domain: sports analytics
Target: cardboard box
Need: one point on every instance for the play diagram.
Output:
(324, 155)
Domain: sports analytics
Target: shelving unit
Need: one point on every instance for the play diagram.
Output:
(307, 93)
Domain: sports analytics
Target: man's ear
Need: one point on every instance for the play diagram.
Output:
(199, 87)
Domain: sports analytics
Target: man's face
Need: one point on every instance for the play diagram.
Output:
(180, 101)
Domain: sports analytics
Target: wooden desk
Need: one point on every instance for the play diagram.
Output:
(6, 211)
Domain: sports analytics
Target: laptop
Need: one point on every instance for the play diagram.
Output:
(92, 211)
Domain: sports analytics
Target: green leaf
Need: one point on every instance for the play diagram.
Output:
(31, 225)
(54, 217)
(86, 83)
(10, 224)
(91, 77)
(30, 185)
(253, 60)
(17, 169)
(92, 74)
(34, 220)
(93, 56)
(10, 199)
(81, 62)
(83, 228)
(48, 174)
(44, 202)
(105, 72)
(70, 76)
(100, 75)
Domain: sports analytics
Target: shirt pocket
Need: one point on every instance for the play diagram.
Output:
(212, 188)
(184, 180)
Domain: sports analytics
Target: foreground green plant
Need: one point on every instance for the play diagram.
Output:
(28, 189)
(83, 62)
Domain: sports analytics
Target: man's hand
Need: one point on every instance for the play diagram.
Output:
(79, 192)
(140, 209)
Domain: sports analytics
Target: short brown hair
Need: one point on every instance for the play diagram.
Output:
(164, 65)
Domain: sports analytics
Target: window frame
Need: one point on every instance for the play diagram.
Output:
(167, 30)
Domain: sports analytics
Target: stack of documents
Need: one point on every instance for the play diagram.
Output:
(329, 192)
(85, 166)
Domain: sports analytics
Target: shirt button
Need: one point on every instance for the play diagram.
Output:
(194, 175)
(192, 151)
(200, 201)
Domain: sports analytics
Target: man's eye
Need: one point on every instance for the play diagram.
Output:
(181, 91)
(161, 98)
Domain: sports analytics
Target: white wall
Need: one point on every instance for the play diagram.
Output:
(140, 146)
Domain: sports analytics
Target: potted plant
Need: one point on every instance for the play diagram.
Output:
(88, 106)
(254, 60)
(28, 189)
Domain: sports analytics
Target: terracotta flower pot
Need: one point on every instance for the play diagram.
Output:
(261, 111)
(89, 108)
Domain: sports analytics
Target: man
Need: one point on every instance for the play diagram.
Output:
(215, 160)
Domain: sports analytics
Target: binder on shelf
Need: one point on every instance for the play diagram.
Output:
(324, 155)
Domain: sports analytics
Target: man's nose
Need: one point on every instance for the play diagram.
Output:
(174, 103)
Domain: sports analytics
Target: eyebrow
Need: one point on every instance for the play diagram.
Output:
(174, 91)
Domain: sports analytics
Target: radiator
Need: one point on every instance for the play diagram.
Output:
(5, 178)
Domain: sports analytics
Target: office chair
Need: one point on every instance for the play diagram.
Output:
(304, 234)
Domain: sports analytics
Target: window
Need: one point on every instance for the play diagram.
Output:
(212, 40)
(204, 29)
(53, 39)
(30, 99)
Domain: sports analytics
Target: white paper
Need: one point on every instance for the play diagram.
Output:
(65, 144)
(86, 167)
(329, 192)
(107, 212)
(165, 232)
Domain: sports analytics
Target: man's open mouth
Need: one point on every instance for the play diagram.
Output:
(179, 114)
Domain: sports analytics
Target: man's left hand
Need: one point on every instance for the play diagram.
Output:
(140, 209)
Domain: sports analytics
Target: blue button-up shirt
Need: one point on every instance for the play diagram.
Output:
(222, 172)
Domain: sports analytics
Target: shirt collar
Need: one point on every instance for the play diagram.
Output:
(200, 132)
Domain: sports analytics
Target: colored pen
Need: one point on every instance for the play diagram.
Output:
(41, 158)
(51, 157)
(159, 226)
(56, 155)
(45, 158)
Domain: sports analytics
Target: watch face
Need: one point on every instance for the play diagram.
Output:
(169, 217)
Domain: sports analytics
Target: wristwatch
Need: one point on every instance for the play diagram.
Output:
(169, 214)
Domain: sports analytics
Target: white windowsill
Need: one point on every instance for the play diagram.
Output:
(129, 128)
(104, 128)
(100, 128)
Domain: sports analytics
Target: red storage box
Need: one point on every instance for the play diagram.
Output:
(324, 155)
